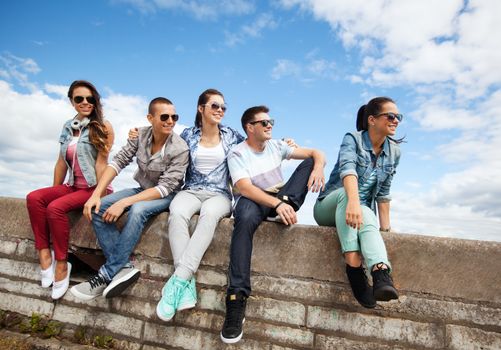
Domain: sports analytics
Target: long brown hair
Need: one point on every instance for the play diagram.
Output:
(202, 99)
(98, 133)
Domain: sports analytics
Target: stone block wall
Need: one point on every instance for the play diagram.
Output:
(450, 291)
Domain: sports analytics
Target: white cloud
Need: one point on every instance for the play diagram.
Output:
(31, 125)
(253, 30)
(448, 52)
(420, 42)
(18, 69)
(284, 68)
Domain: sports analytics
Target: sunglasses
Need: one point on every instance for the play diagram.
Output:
(215, 106)
(264, 122)
(165, 117)
(80, 99)
(392, 116)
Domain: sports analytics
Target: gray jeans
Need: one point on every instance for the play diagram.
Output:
(188, 252)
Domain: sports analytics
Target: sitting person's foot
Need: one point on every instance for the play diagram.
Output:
(90, 289)
(382, 283)
(235, 317)
(360, 287)
(127, 276)
(61, 279)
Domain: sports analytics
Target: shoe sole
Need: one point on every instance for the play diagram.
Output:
(233, 340)
(186, 307)
(386, 293)
(161, 317)
(117, 288)
(82, 296)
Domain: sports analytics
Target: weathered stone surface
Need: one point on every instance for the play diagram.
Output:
(26, 250)
(301, 298)
(19, 269)
(390, 329)
(14, 218)
(211, 277)
(114, 323)
(8, 247)
(323, 342)
(155, 240)
(30, 289)
(184, 338)
(459, 337)
(436, 310)
(24, 305)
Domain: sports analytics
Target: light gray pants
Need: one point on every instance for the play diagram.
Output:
(188, 252)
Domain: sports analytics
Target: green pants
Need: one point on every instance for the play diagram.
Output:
(331, 211)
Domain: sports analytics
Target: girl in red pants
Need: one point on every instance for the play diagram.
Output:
(85, 142)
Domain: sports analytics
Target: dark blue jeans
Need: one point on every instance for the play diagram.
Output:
(248, 215)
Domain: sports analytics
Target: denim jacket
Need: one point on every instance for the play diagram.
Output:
(86, 153)
(218, 179)
(356, 157)
(163, 170)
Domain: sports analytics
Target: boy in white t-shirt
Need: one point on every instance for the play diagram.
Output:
(255, 169)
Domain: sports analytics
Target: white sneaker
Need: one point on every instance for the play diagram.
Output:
(47, 275)
(60, 287)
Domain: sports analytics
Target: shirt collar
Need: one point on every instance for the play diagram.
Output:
(367, 144)
(149, 142)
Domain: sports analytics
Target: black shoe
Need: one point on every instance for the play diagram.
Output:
(360, 287)
(382, 284)
(235, 316)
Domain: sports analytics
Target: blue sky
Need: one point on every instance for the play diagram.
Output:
(313, 62)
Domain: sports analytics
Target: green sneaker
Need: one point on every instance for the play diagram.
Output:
(188, 297)
(171, 295)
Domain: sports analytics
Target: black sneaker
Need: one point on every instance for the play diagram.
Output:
(360, 287)
(121, 281)
(382, 284)
(235, 316)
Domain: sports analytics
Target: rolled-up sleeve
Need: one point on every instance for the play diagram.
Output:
(125, 155)
(348, 157)
(171, 179)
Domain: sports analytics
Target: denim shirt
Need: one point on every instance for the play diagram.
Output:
(163, 170)
(86, 153)
(356, 157)
(218, 179)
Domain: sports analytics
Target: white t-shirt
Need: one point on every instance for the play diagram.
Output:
(262, 168)
(208, 158)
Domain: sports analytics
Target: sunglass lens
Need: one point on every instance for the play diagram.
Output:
(91, 100)
(78, 99)
(165, 117)
(216, 106)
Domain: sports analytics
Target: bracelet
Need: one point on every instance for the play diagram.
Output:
(385, 229)
(279, 204)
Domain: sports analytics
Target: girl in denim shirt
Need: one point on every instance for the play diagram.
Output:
(361, 181)
(206, 192)
(85, 143)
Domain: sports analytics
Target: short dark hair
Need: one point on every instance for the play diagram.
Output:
(158, 100)
(250, 113)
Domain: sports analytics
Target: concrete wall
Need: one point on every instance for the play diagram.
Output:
(450, 291)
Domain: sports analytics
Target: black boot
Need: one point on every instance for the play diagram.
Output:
(382, 284)
(235, 317)
(360, 287)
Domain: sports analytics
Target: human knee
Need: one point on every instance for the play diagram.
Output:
(54, 210)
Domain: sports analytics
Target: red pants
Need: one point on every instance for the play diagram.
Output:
(47, 208)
